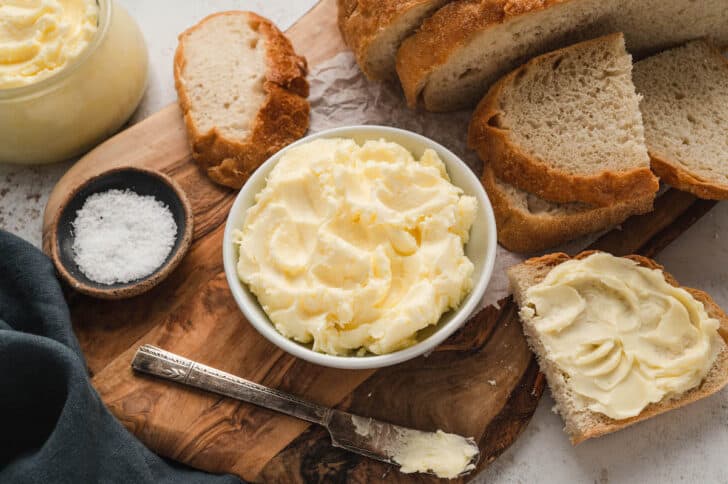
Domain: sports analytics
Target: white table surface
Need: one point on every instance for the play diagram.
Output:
(689, 444)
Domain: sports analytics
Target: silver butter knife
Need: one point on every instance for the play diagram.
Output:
(366, 436)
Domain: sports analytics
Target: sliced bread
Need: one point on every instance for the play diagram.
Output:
(374, 30)
(566, 127)
(580, 423)
(528, 224)
(242, 90)
(468, 44)
(685, 111)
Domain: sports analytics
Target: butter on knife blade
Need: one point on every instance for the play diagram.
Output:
(439, 453)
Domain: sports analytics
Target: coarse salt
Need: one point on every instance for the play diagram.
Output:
(121, 236)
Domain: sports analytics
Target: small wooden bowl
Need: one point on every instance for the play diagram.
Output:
(143, 182)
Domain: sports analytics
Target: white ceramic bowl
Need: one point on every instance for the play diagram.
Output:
(480, 249)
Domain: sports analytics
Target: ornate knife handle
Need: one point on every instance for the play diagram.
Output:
(158, 362)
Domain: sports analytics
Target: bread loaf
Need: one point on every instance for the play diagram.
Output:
(242, 90)
(464, 47)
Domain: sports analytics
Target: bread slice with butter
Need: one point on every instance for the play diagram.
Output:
(242, 90)
(685, 111)
(528, 224)
(581, 422)
(566, 127)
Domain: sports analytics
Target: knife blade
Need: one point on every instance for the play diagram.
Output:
(369, 437)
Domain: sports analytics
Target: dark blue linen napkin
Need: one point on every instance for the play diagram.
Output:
(53, 426)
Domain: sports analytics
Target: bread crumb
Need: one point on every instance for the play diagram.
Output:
(492, 382)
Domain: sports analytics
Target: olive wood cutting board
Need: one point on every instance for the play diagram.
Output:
(482, 382)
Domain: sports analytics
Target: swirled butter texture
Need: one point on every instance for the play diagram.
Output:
(356, 248)
(445, 455)
(40, 37)
(622, 335)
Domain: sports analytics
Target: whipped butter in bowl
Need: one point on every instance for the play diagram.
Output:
(71, 73)
(360, 247)
(40, 38)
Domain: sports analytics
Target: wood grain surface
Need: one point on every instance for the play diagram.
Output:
(482, 382)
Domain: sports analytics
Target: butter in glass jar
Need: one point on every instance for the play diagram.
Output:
(72, 73)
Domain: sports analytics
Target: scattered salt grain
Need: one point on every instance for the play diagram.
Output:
(492, 382)
(121, 236)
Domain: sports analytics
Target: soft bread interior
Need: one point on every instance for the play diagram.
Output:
(685, 109)
(577, 110)
(224, 74)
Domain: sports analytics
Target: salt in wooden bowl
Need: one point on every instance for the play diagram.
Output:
(142, 182)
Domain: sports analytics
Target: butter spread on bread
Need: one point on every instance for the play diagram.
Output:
(622, 335)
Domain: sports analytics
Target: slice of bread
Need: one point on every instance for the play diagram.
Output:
(582, 424)
(468, 44)
(566, 127)
(529, 224)
(374, 30)
(242, 90)
(685, 111)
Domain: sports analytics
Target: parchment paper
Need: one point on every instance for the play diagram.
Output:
(341, 96)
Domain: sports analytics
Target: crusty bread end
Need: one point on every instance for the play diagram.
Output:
(582, 424)
(236, 120)
(374, 30)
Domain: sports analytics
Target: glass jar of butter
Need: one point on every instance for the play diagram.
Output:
(69, 111)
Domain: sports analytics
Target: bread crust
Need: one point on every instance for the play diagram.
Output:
(513, 165)
(715, 380)
(282, 118)
(362, 21)
(675, 175)
(446, 31)
(525, 232)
